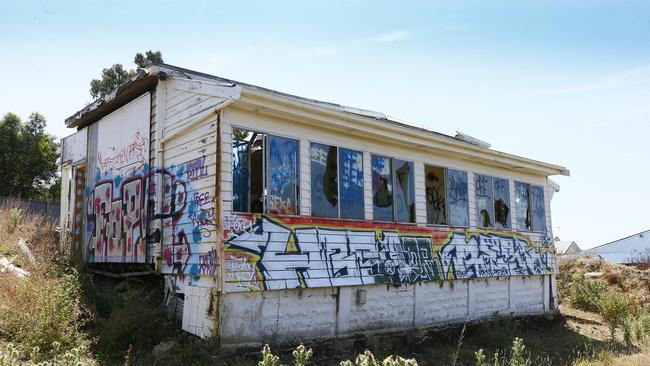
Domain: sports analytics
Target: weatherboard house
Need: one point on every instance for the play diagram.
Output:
(276, 217)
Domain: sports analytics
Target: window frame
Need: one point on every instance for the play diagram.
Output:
(393, 178)
(530, 208)
(266, 171)
(338, 180)
(447, 206)
(510, 218)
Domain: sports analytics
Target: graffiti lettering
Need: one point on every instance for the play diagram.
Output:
(313, 255)
(135, 153)
(196, 169)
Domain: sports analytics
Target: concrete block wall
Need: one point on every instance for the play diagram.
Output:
(300, 314)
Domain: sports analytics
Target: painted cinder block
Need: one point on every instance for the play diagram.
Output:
(440, 302)
(386, 307)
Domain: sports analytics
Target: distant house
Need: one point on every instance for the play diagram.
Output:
(628, 250)
(566, 249)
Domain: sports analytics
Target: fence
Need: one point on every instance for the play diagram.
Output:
(44, 207)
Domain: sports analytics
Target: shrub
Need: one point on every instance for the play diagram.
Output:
(42, 310)
(614, 308)
(14, 220)
(586, 295)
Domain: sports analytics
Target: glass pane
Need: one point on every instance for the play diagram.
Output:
(247, 171)
(484, 197)
(351, 184)
(501, 203)
(404, 191)
(458, 201)
(324, 181)
(537, 203)
(382, 189)
(435, 191)
(283, 176)
(521, 206)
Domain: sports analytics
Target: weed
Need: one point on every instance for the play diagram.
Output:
(586, 295)
(268, 359)
(14, 220)
(44, 309)
(301, 355)
(614, 308)
(518, 357)
(481, 360)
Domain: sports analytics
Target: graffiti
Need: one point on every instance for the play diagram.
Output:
(240, 274)
(485, 254)
(236, 223)
(115, 221)
(116, 215)
(196, 169)
(135, 153)
(208, 262)
(305, 253)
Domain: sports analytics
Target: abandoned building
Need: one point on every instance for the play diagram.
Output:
(276, 217)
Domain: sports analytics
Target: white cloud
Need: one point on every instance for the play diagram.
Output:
(392, 37)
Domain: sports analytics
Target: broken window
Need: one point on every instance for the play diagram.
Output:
(529, 203)
(537, 208)
(501, 203)
(351, 184)
(457, 197)
(264, 173)
(336, 182)
(404, 191)
(392, 202)
(492, 201)
(447, 196)
(436, 194)
(283, 176)
(483, 185)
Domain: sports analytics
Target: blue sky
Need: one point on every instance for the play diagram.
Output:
(567, 83)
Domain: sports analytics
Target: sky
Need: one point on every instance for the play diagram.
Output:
(563, 82)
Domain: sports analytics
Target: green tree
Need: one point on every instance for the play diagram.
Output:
(27, 157)
(116, 75)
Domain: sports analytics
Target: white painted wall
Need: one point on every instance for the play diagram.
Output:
(249, 318)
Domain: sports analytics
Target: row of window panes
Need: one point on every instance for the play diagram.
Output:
(265, 179)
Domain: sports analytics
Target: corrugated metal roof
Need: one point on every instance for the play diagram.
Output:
(623, 250)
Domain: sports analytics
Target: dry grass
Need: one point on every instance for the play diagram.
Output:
(633, 282)
(36, 229)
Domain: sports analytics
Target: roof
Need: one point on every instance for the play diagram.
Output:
(624, 250)
(146, 79)
(566, 247)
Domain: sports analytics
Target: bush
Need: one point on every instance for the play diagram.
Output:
(14, 220)
(586, 295)
(42, 310)
(614, 308)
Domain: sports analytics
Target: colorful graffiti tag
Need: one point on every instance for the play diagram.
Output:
(122, 221)
(263, 252)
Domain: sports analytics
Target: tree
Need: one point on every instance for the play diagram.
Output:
(27, 157)
(116, 75)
